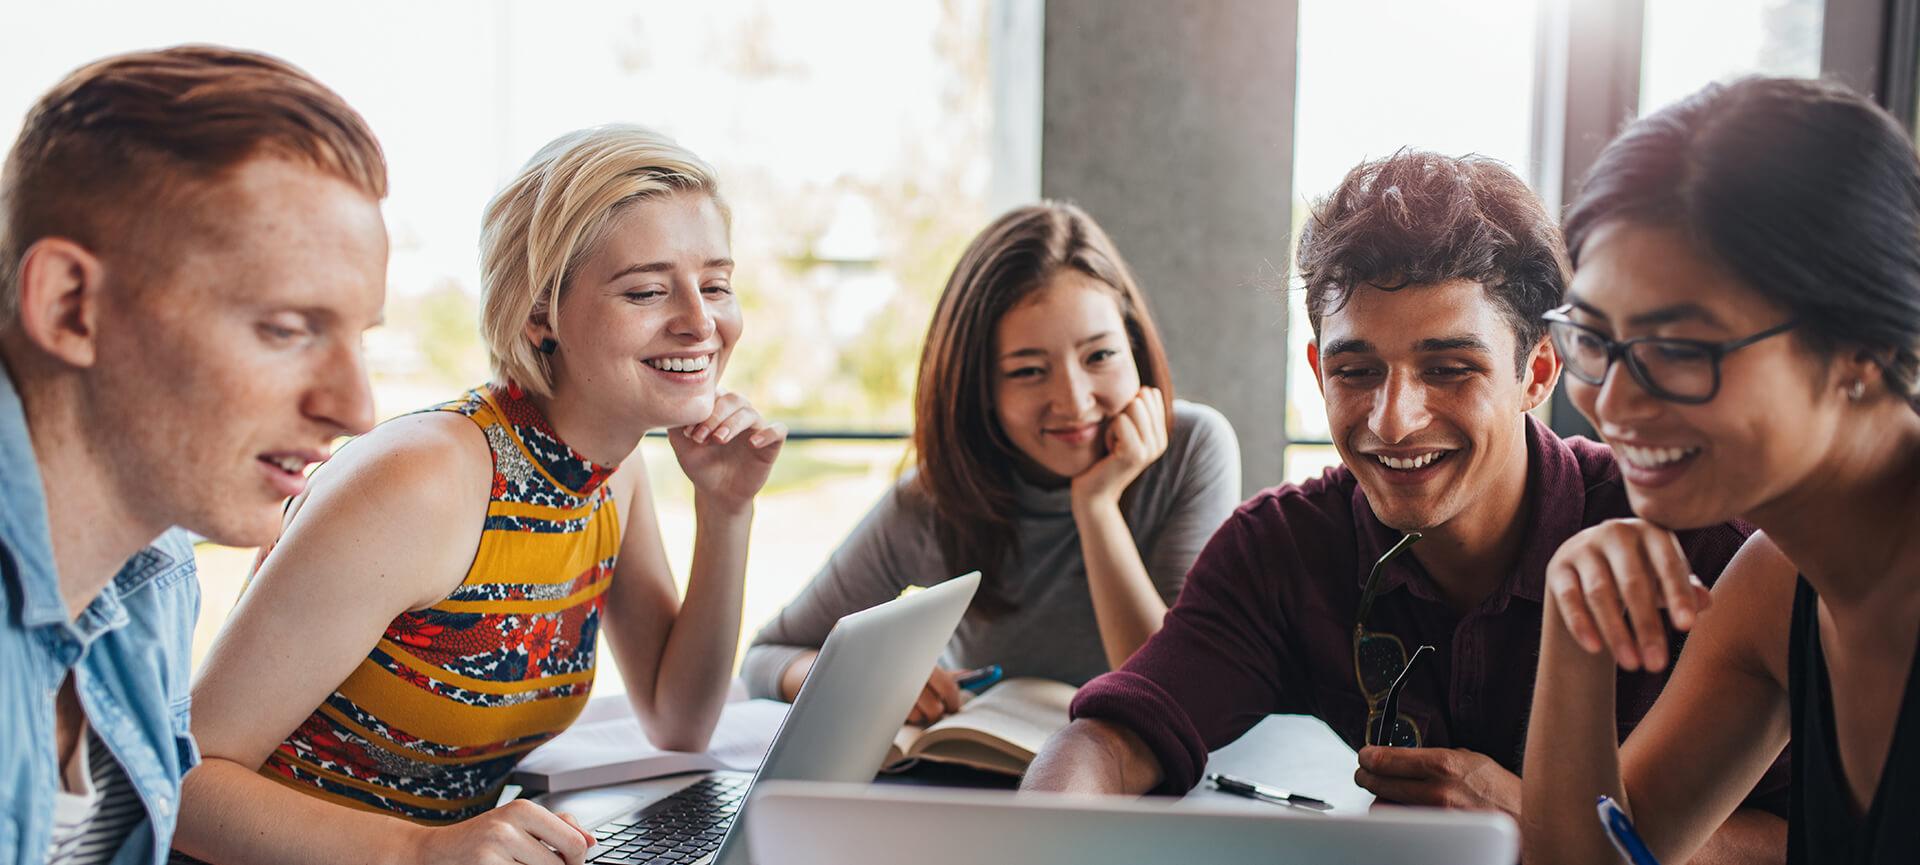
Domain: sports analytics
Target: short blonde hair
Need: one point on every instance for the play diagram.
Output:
(550, 218)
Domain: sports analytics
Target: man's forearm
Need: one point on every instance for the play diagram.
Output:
(1096, 757)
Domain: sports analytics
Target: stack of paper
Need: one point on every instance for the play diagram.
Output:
(1295, 752)
(607, 746)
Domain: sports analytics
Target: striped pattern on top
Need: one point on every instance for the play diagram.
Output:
(430, 724)
(106, 814)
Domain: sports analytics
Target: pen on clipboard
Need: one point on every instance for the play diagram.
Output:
(1255, 790)
(977, 680)
(1621, 832)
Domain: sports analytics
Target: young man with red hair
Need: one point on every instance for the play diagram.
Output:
(190, 249)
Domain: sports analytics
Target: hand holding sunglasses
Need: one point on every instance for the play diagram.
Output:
(1381, 665)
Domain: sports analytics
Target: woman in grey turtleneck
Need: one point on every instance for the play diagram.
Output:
(1050, 456)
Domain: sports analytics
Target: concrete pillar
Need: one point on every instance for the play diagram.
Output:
(1171, 123)
(1589, 87)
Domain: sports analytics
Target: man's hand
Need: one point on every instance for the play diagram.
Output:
(1438, 777)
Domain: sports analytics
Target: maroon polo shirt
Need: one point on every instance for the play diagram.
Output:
(1265, 623)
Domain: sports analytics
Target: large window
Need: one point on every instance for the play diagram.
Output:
(855, 159)
(1375, 76)
(1689, 43)
(1463, 76)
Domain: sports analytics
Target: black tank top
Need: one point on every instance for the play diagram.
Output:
(1824, 827)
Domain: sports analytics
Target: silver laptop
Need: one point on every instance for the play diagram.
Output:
(802, 823)
(853, 702)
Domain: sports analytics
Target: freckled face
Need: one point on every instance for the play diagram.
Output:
(234, 363)
(1065, 368)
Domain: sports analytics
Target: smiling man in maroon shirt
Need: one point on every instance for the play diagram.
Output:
(1426, 279)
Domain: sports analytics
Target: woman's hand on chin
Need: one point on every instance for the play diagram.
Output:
(1610, 582)
(729, 455)
(1135, 438)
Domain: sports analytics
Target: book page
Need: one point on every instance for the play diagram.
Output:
(897, 759)
(745, 733)
(1015, 717)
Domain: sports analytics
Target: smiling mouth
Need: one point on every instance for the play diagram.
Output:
(1074, 434)
(1653, 458)
(290, 464)
(681, 364)
(1413, 463)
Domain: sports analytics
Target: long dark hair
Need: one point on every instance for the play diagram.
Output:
(964, 459)
(1805, 190)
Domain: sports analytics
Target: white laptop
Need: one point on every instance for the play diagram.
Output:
(861, 688)
(805, 823)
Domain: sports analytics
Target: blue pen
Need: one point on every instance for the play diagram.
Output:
(1620, 831)
(975, 681)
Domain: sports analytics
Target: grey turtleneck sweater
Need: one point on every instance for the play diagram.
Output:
(1176, 505)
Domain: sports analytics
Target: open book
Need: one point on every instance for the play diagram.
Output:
(606, 746)
(999, 731)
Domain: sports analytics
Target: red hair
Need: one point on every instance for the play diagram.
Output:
(110, 150)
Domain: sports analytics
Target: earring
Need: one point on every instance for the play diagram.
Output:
(548, 345)
(1857, 390)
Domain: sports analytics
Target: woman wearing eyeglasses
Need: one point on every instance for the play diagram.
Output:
(1743, 329)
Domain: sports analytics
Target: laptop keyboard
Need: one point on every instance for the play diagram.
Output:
(682, 827)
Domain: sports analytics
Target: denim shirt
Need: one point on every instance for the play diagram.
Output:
(129, 653)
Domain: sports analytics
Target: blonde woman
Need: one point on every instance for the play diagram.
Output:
(429, 613)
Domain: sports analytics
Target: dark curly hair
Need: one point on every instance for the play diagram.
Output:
(1418, 218)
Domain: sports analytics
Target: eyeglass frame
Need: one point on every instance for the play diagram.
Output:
(1390, 707)
(1622, 349)
(1389, 698)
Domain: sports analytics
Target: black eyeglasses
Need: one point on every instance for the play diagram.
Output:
(1676, 370)
(1381, 665)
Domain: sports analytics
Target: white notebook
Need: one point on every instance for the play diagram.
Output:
(606, 746)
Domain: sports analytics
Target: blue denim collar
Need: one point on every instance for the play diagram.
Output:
(25, 533)
(23, 514)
